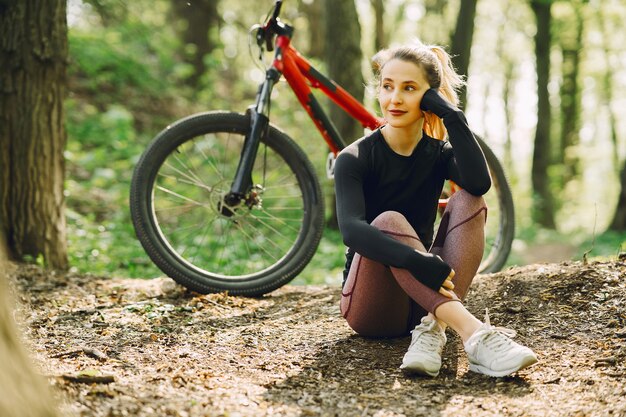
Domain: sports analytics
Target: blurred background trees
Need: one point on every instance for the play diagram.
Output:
(545, 85)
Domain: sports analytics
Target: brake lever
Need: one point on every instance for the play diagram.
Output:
(260, 39)
(269, 43)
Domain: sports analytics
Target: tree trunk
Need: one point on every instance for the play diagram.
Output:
(24, 391)
(343, 59)
(197, 25)
(509, 85)
(618, 223)
(570, 98)
(543, 205)
(619, 218)
(380, 38)
(315, 17)
(33, 58)
(607, 84)
(461, 43)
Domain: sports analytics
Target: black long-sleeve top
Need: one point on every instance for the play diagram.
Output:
(370, 178)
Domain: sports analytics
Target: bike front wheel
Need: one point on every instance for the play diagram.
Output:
(182, 220)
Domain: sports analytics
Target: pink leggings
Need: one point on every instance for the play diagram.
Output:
(381, 301)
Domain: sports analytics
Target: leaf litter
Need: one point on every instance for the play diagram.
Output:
(126, 347)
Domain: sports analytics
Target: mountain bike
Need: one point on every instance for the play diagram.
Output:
(224, 201)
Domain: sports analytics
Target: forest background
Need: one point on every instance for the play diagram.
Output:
(546, 82)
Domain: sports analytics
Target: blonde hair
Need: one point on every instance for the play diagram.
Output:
(439, 71)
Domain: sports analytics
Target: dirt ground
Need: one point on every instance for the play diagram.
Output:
(121, 347)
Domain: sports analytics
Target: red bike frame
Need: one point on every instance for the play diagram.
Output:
(297, 71)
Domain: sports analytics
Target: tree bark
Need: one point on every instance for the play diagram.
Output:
(618, 223)
(570, 97)
(607, 85)
(619, 218)
(508, 84)
(197, 25)
(33, 58)
(543, 204)
(461, 43)
(315, 16)
(343, 59)
(380, 38)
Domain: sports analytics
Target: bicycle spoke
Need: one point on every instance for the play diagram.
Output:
(182, 197)
(285, 208)
(243, 231)
(224, 245)
(287, 198)
(196, 244)
(266, 224)
(194, 178)
(272, 217)
(281, 185)
(182, 208)
(280, 219)
(210, 162)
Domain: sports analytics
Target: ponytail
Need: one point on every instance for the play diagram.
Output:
(449, 83)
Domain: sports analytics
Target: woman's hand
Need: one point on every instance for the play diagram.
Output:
(448, 286)
(435, 103)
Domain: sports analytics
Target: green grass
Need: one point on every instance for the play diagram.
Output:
(604, 246)
(608, 245)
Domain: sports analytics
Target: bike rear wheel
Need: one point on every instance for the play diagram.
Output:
(182, 220)
(500, 227)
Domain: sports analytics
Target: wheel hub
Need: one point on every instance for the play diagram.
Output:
(232, 205)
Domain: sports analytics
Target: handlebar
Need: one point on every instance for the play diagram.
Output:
(272, 26)
(277, 6)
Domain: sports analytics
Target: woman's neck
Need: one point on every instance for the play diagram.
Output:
(403, 140)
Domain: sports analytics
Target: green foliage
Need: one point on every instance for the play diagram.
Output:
(122, 79)
(608, 245)
(326, 267)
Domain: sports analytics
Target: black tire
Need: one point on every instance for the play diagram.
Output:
(500, 228)
(176, 199)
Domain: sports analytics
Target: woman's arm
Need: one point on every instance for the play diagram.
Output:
(468, 167)
(368, 240)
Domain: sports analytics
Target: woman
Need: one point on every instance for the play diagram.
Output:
(388, 185)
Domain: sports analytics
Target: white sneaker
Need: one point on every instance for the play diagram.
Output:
(491, 351)
(424, 354)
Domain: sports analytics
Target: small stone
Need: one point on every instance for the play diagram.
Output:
(168, 286)
(514, 309)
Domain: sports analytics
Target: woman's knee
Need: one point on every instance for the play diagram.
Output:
(462, 198)
(392, 220)
(397, 226)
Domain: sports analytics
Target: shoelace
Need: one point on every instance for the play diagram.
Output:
(426, 337)
(496, 338)
(506, 331)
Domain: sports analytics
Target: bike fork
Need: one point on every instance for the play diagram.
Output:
(258, 115)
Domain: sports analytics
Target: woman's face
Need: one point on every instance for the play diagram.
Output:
(402, 86)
